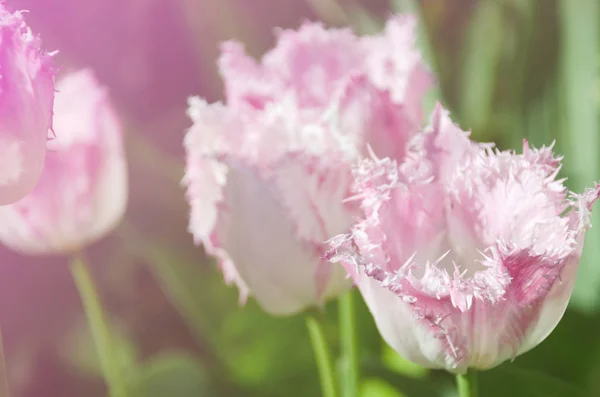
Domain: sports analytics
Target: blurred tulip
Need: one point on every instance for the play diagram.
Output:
(466, 255)
(82, 193)
(26, 96)
(268, 172)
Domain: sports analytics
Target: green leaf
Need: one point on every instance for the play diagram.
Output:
(376, 387)
(580, 42)
(171, 375)
(563, 355)
(432, 385)
(483, 46)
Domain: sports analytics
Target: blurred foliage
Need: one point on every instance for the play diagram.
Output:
(176, 375)
(507, 69)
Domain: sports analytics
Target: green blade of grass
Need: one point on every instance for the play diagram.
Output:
(580, 43)
(483, 52)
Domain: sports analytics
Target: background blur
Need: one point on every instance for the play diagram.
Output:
(507, 69)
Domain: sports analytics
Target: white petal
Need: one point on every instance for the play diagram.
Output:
(259, 237)
(398, 326)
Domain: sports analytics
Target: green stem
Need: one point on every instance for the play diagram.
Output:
(322, 357)
(467, 384)
(349, 347)
(99, 327)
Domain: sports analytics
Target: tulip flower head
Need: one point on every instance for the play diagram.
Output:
(82, 193)
(26, 100)
(466, 255)
(267, 172)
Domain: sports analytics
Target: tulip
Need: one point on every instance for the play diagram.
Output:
(267, 172)
(466, 256)
(26, 97)
(82, 192)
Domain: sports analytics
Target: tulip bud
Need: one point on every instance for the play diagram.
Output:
(82, 192)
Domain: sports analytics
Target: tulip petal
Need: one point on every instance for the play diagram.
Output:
(26, 98)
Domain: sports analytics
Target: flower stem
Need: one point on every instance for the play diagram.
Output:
(99, 327)
(467, 384)
(349, 354)
(317, 338)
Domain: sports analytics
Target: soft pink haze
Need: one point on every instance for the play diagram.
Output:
(466, 255)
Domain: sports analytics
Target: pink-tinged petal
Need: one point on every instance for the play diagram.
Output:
(397, 323)
(420, 82)
(388, 93)
(206, 177)
(313, 194)
(82, 192)
(26, 98)
(374, 85)
(443, 145)
(246, 83)
(555, 302)
(380, 124)
(481, 246)
(258, 236)
(396, 66)
(313, 61)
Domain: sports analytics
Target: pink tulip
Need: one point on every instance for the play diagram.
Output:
(82, 192)
(267, 173)
(26, 96)
(466, 255)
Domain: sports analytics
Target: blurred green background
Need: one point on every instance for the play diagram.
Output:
(507, 69)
